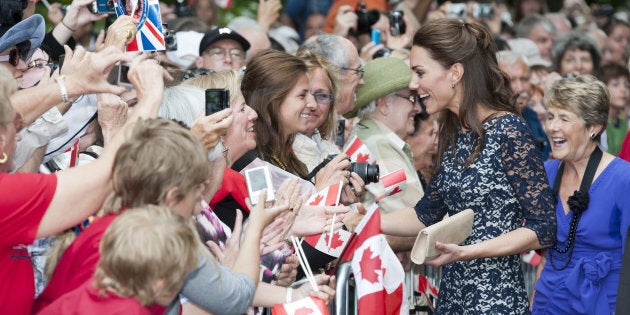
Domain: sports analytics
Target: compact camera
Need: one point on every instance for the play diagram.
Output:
(170, 40)
(102, 6)
(368, 173)
(483, 11)
(397, 25)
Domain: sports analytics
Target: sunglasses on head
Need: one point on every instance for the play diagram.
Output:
(13, 57)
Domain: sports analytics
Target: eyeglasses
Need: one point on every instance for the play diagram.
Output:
(360, 72)
(414, 99)
(323, 98)
(219, 53)
(39, 64)
(13, 57)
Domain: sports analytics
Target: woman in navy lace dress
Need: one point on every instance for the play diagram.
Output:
(488, 161)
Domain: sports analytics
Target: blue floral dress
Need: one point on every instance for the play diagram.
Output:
(507, 188)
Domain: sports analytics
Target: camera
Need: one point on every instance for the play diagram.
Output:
(170, 40)
(368, 173)
(483, 11)
(103, 6)
(217, 100)
(366, 18)
(182, 9)
(456, 10)
(397, 25)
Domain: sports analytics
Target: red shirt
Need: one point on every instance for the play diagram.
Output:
(77, 264)
(25, 199)
(625, 148)
(87, 300)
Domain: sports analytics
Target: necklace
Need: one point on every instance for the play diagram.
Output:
(578, 203)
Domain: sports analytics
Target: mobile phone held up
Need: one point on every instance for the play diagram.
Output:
(257, 179)
(217, 100)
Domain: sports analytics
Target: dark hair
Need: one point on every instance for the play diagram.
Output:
(450, 41)
(574, 40)
(269, 78)
(612, 71)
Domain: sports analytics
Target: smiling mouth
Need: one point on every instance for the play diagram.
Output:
(558, 141)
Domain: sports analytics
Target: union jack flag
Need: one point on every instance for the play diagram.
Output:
(150, 35)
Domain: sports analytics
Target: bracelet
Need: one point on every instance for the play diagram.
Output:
(289, 294)
(62, 89)
(68, 27)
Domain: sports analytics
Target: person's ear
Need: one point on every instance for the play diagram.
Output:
(171, 199)
(382, 105)
(199, 62)
(455, 73)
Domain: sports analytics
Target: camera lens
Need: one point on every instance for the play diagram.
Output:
(397, 25)
(369, 173)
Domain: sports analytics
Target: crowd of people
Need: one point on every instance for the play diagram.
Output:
(124, 190)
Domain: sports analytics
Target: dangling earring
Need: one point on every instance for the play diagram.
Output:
(4, 158)
(593, 136)
(453, 86)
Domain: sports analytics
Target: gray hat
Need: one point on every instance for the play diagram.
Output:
(28, 34)
(528, 48)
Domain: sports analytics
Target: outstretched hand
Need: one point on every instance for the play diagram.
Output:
(87, 72)
(326, 285)
(318, 219)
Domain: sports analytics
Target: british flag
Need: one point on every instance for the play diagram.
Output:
(150, 35)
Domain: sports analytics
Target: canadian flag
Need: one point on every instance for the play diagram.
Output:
(358, 151)
(426, 287)
(337, 243)
(393, 183)
(378, 273)
(337, 240)
(532, 257)
(306, 306)
(329, 196)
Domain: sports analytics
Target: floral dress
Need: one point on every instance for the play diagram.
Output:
(507, 188)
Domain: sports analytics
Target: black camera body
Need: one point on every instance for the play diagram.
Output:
(397, 25)
(369, 173)
(366, 18)
(170, 40)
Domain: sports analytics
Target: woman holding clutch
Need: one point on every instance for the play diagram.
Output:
(487, 162)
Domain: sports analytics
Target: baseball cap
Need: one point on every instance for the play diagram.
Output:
(221, 33)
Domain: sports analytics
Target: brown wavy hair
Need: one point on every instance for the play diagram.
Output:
(450, 41)
(269, 78)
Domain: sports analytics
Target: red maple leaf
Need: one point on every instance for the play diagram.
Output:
(317, 200)
(336, 240)
(369, 266)
(304, 310)
(363, 158)
(395, 190)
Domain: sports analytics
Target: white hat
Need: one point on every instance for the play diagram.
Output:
(187, 48)
(529, 50)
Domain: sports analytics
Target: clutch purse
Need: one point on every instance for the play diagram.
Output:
(452, 230)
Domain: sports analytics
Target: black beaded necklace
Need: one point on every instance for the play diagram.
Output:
(578, 203)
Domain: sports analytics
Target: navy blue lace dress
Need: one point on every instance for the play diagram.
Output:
(507, 188)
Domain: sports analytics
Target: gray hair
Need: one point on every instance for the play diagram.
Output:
(183, 103)
(525, 26)
(370, 108)
(510, 57)
(328, 46)
(584, 95)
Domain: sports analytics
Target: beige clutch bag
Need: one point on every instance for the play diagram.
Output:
(452, 230)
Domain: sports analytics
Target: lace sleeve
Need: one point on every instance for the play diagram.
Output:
(523, 165)
(431, 208)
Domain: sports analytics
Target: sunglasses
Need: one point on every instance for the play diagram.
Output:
(13, 57)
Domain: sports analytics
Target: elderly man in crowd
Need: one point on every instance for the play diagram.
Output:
(386, 108)
(222, 49)
(540, 30)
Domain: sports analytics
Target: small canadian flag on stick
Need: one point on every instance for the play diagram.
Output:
(329, 243)
(393, 183)
(358, 151)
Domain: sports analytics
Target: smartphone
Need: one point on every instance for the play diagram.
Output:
(217, 100)
(341, 130)
(123, 80)
(257, 179)
(376, 36)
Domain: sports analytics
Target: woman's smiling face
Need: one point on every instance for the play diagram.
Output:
(296, 109)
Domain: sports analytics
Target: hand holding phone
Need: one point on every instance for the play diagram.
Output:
(217, 100)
